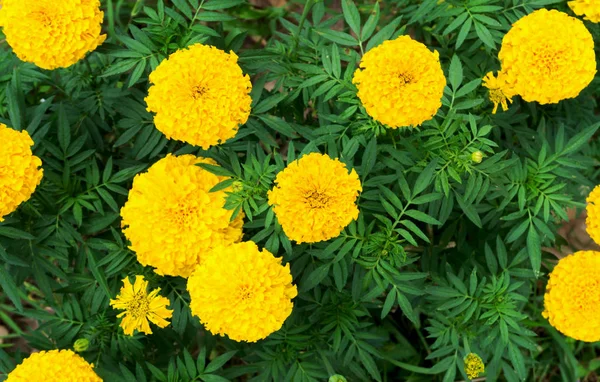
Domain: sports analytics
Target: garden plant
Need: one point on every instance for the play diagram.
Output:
(299, 190)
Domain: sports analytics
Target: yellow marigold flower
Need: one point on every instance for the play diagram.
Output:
(400, 82)
(241, 292)
(473, 366)
(588, 8)
(499, 93)
(52, 34)
(547, 56)
(171, 218)
(54, 366)
(593, 214)
(200, 96)
(314, 198)
(19, 169)
(139, 307)
(572, 302)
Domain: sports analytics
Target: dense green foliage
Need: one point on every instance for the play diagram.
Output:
(445, 259)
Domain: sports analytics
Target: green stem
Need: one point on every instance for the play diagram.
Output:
(307, 8)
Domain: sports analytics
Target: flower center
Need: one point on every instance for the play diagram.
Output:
(245, 293)
(138, 306)
(41, 16)
(183, 214)
(198, 91)
(316, 199)
(406, 78)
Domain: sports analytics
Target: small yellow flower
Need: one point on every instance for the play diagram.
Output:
(499, 93)
(200, 96)
(477, 156)
(572, 301)
(140, 307)
(315, 198)
(54, 366)
(547, 56)
(400, 83)
(593, 214)
(474, 366)
(20, 171)
(52, 34)
(588, 8)
(242, 292)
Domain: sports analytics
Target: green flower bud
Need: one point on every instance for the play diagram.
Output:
(337, 378)
(81, 345)
(477, 156)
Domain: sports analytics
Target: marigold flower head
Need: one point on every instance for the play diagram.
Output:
(572, 302)
(593, 214)
(474, 366)
(200, 96)
(171, 218)
(242, 292)
(140, 306)
(314, 198)
(547, 56)
(52, 34)
(54, 366)
(19, 169)
(588, 8)
(400, 82)
(499, 92)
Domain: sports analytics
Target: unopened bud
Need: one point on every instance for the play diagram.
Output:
(237, 186)
(477, 156)
(81, 345)
(337, 378)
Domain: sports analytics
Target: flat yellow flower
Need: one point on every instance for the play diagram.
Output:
(241, 292)
(140, 307)
(315, 198)
(588, 8)
(498, 92)
(400, 82)
(54, 366)
(200, 96)
(52, 34)
(474, 366)
(572, 301)
(593, 214)
(171, 218)
(547, 56)
(20, 171)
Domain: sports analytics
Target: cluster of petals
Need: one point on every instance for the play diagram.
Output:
(140, 307)
(593, 214)
(474, 365)
(20, 171)
(400, 83)
(172, 219)
(200, 96)
(242, 292)
(546, 57)
(54, 366)
(588, 8)
(314, 198)
(572, 301)
(52, 34)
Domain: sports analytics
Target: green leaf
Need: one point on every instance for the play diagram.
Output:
(10, 288)
(534, 249)
(371, 23)
(421, 216)
(389, 303)
(351, 15)
(464, 31)
(580, 139)
(384, 34)
(424, 179)
(338, 37)
(315, 277)
(456, 73)
(218, 362)
(216, 5)
(64, 130)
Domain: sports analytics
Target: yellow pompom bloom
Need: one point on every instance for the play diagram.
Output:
(314, 198)
(572, 301)
(54, 366)
(588, 8)
(400, 82)
(593, 214)
(20, 171)
(547, 56)
(474, 366)
(241, 292)
(52, 34)
(200, 96)
(139, 307)
(171, 218)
